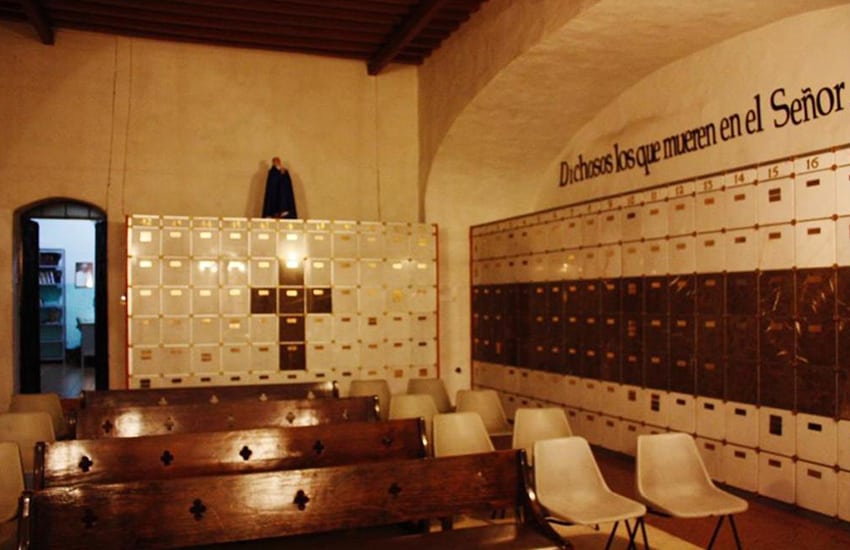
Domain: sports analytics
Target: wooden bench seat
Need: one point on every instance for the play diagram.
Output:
(340, 503)
(112, 460)
(100, 422)
(207, 394)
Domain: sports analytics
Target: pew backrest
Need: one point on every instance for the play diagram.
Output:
(207, 394)
(113, 460)
(100, 422)
(160, 514)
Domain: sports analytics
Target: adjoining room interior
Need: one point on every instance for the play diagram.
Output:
(66, 282)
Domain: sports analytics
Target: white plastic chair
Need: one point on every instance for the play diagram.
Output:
(571, 488)
(435, 387)
(44, 402)
(488, 405)
(11, 487)
(26, 429)
(415, 406)
(533, 424)
(378, 387)
(460, 433)
(672, 480)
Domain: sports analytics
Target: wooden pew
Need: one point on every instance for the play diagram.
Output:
(99, 422)
(207, 394)
(112, 460)
(350, 506)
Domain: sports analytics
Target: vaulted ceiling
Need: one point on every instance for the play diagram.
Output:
(378, 32)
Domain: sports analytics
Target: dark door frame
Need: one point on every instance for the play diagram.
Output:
(27, 295)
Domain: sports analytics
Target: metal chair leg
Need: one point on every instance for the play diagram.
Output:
(735, 531)
(643, 532)
(611, 536)
(632, 531)
(716, 530)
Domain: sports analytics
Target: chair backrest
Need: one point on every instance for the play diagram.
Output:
(566, 464)
(669, 463)
(43, 402)
(435, 387)
(460, 433)
(378, 387)
(414, 406)
(26, 429)
(487, 404)
(11, 479)
(533, 424)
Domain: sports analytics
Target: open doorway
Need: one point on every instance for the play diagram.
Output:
(62, 299)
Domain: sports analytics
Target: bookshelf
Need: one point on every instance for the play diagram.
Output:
(51, 294)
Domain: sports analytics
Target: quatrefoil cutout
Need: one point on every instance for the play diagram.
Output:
(301, 499)
(167, 458)
(107, 426)
(245, 453)
(86, 463)
(198, 509)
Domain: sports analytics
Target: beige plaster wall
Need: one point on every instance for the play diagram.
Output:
(799, 52)
(612, 71)
(498, 34)
(451, 83)
(142, 126)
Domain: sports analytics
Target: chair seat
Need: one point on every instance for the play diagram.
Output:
(591, 509)
(460, 433)
(697, 504)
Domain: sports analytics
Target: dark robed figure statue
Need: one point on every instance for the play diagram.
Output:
(279, 201)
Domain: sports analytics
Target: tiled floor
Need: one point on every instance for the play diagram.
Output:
(767, 524)
(585, 537)
(65, 379)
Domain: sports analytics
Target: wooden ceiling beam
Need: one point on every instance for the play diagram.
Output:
(207, 35)
(309, 48)
(65, 10)
(399, 8)
(307, 15)
(233, 13)
(12, 14)
(378, 32)
(326, 7)
(35, 15)
(416, 21)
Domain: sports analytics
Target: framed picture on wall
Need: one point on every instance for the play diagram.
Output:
(84, 275)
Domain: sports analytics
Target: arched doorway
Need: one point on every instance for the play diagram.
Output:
(61, 297)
